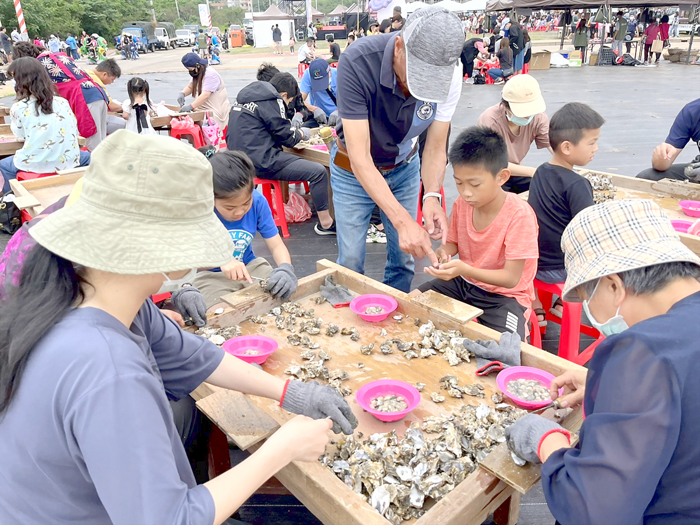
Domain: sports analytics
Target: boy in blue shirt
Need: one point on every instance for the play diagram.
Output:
(244, 212)
(319, 89)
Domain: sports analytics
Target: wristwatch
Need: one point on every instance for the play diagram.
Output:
(432, 194)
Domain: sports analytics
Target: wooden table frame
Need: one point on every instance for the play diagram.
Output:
(328, 498)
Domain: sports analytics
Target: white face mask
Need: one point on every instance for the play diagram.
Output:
(615, 325)
(173, 285)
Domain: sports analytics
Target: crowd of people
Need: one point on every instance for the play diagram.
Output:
(103, 375)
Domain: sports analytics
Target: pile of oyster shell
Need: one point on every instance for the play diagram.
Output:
(603, 187)
(219, 336)
(398, 477)
(389, 403)
(528, 389)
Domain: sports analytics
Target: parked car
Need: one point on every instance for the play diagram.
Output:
(165, 33)
(143, 34)
(192, 27)
(185, 37)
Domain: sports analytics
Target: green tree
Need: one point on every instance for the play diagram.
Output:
(223, 18)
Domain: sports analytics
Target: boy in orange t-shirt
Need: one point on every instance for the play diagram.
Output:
(494, 233)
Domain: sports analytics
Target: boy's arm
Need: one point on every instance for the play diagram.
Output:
(278, 250)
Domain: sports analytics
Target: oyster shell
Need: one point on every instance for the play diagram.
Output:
(258, 319)
(373, 310)
(437, 398)
(367, 350)
(319, 299)
(390, 403)
(420, 386)
(355, 336)
(332, 329)
(386, 348)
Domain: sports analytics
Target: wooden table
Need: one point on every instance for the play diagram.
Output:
(666, 193)
(36, 194)
(248, 420)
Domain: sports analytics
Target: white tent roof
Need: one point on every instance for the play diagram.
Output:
(414, 6)
(273, 13)
(339, 10)
(475, 5)
(453, 6)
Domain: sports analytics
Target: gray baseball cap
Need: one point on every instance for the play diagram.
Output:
(434, 38)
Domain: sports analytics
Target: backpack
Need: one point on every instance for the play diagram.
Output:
(479, 79)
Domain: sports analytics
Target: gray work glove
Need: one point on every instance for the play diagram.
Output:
(334, 293)
(692, 171)
(282, 281)
(186, 109)
(297, 120)
(305, 133)
(333, 119)
(191, 304)
(181, 99)
(507, 351)
(318, 402)
(320, 116)
(525, 434)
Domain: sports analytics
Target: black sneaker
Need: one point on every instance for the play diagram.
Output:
(320, 230)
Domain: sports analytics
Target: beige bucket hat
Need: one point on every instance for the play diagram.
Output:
(617, 236)
(146, 206)
(522, 92)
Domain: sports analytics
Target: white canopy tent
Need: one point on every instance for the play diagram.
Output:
(415, 6)
(452, 6)
(263, 22)
(475, 5)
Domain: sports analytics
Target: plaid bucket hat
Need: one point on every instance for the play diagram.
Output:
(146, 206)
(617, 236)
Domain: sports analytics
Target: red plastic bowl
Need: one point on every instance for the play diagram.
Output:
(239, 345)
(361, 303)
(386, 387)
(690, 208)
(525, 372)
(681, 226)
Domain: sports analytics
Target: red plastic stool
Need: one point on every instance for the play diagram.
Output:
(571, 327)
(419, 214)
(535, 334)
(305, 183)
(25, 216)
(193, 135)
(29, 175)
(301, 68)
(278, 206)
(526, 68)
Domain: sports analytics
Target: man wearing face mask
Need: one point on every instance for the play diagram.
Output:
(259, 126)
(207, 89)
(520, 119)
(637, 460)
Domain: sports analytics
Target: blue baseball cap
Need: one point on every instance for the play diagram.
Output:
(319, 73)
(192, 59)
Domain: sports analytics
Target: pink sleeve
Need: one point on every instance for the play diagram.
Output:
(452, 236)
(542, 138)
(211, 82)
(521, 237)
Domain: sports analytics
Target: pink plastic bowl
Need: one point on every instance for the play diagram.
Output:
(525, 372)
(239, 345)
(320, 147)
(690, 208)
(681, 226)
(386, 387)
(361, 303)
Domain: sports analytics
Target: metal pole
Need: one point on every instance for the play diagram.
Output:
(153, 14)
(692, 36)
(177, 8)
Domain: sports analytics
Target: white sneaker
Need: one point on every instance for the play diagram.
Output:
(374, 236)
(469, 81)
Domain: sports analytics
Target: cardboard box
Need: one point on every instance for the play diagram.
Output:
(594, 59)
(575, 58)
(540, 60)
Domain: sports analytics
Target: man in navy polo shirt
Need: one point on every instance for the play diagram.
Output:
(685, 128)
(391, 88)
(319, 89)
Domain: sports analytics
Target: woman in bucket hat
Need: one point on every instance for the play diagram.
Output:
(638, 459)
(88, 363)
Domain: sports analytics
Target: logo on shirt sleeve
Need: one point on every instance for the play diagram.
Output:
(241, 240)
(425, 111)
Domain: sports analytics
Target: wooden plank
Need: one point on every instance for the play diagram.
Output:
(163, 123)
(508, 512)
(237, 416)
(470, 502)
(44, 191)
(439, 308)
(316, 155)
(317, 487)
(26, 202)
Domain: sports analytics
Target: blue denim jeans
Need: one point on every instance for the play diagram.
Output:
(353, 209)
(8, 170)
